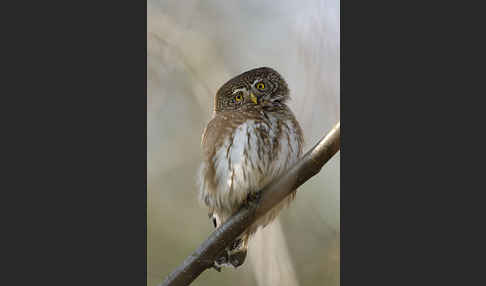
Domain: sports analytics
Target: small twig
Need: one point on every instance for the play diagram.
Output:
(308, 166)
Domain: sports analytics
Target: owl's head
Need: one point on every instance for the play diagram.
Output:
(259, 88)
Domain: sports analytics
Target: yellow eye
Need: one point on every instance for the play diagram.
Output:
(238, 97)
(260, 86)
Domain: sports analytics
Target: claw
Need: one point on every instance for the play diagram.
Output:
(236, 244)
(237, 258)
(216, 267)
(221, 261)
(252, 198)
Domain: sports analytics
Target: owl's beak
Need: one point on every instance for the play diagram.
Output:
(253, 98)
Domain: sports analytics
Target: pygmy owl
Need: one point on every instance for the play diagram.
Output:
(252, 138)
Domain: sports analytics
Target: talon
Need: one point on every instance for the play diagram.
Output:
(212, 217)
(253, 197)
(236, 244)
(216, 267)
(222, 260)
(238, 258)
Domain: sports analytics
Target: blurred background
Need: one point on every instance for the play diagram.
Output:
(194, 47)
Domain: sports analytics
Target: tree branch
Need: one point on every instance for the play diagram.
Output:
(308, 166)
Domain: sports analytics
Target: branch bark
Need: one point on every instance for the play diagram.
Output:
(308, 166)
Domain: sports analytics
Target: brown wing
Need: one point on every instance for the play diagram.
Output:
(218, 129)
(210, 136)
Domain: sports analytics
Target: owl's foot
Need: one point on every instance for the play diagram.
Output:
(221, 261)
(237, 251)
(229, 260)
(236, 244)
(253, 198)
(232, 257)
(237, 258)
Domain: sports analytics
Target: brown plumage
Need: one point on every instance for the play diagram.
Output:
(252, 138)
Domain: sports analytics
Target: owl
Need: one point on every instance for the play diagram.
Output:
(252, 138)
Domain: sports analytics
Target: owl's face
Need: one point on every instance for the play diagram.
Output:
(258, 88)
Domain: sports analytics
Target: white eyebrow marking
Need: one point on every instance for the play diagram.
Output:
(239, 89)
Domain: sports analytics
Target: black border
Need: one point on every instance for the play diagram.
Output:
(74, 110)
(75, 97)
(410, 122)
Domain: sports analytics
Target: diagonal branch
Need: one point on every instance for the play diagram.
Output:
(308, 166)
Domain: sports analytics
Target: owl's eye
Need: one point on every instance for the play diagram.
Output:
(238, 97)
(260, 86)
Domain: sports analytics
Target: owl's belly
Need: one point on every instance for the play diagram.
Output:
(254, 154)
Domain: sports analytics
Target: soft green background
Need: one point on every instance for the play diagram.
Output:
(193, 48)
